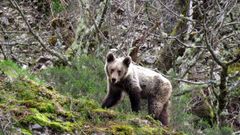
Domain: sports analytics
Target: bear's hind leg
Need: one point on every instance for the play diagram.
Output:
(155, 108)
(164, 115)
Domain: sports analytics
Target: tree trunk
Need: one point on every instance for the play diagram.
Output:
(169, 53)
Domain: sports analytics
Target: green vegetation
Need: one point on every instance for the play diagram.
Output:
(184, 118)
(88, 77)
(28, 102)
(57, 6)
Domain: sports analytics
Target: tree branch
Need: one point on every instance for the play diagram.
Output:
(103, 14)
(234, 60)
(210, 49)
(192, 82)
(179, 16)
(37, 37)
(184, 44)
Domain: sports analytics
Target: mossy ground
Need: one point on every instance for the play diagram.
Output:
(29, 102)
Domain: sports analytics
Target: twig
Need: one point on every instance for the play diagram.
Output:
(37, 37)
(96, 26)
(187, 81)
(196, 58)
(186, 18)
(192, 82)
(4, 55)
(16, 43)
(136, 43)
(184, 44)
(231, 23)
(234, 60)
(5, 38)
(12, 31)
(103, 14)
(210, 49)
(227, 36)
(183, 93)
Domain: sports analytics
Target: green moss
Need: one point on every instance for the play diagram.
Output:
(234, 68)
(61, 126)
(43, 120)
(25, 131)
(122, 130)
(42, 106)
(103, 113)
(146, 130)
(46, 107)
(37, 117)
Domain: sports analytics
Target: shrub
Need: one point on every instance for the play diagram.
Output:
(86, 79)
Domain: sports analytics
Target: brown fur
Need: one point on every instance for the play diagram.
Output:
(138, 82)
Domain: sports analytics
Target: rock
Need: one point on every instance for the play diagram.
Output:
(140, 122)
(36, 127)
(5, 21)
(150, 59)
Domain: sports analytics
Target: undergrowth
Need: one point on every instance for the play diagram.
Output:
(87, 78)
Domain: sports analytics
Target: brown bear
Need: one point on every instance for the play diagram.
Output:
(138, 82)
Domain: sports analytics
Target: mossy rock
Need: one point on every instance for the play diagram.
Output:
(47, 120)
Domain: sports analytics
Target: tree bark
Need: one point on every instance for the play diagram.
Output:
(169, 53)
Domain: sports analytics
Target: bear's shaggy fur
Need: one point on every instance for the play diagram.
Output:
(138, 82)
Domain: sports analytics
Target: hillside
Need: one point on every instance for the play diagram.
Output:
(28, 106)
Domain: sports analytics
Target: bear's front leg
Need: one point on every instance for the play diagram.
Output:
(135, 95)
(112, 98)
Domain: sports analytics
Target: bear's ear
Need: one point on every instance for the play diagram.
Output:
(127, 61)
(110, 57)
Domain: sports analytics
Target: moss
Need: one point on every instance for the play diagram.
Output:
(43, 120)
(152, 120)
(46, 107)
(146, 130)
(103, 113)
(37, 117)
(25, 131)
(42, 106)
(234, 68)
(61, 126)
(122, 130)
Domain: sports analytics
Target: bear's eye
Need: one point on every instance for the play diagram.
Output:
(119, 72)
(112, 70)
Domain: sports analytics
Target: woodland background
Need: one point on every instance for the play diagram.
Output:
(62, 44)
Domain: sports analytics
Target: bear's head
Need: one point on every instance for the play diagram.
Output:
(117, 68)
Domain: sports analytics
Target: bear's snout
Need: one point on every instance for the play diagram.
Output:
(113, 80)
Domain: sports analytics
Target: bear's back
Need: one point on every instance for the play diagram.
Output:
(149, 79)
